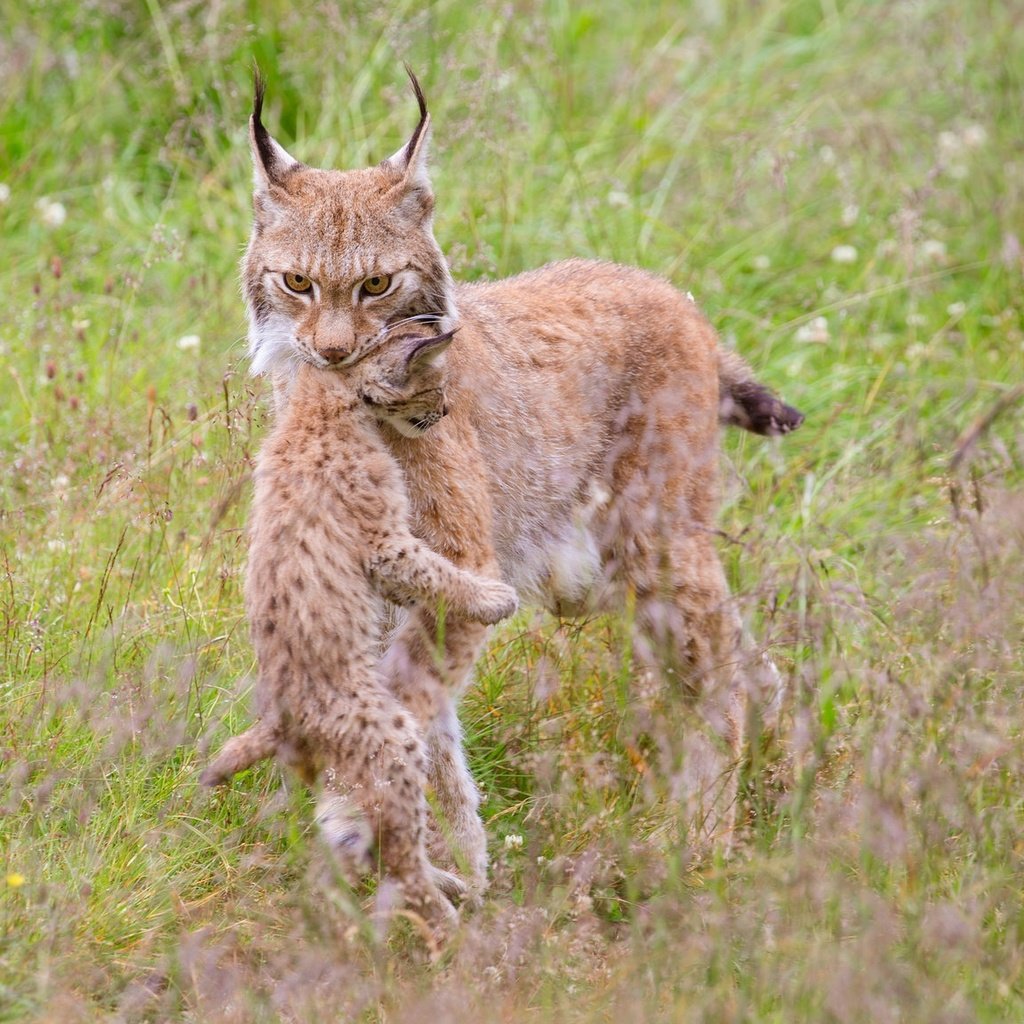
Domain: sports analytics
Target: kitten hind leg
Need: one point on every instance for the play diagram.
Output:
(241, 752)
(374, 795)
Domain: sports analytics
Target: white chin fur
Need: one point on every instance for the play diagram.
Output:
(270, 346)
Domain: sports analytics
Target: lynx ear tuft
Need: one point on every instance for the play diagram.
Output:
(411, 160)
(270, 160)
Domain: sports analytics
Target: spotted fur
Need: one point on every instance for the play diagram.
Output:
(328, 542)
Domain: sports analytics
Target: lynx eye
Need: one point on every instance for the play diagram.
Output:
(298, 282)
(377, 285)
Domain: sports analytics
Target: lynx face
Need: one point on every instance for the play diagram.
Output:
(337, 259)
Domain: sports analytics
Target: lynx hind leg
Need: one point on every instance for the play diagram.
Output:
(408, 571)
(374, 795)
(430, 691)
(347, 832)
(241, 752)
(694, 633)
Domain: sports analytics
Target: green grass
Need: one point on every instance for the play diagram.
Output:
(731, 146)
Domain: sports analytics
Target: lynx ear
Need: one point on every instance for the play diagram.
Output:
(270, 160)
(426, 352)
(411, 160)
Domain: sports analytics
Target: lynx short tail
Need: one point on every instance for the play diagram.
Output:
(744, 402)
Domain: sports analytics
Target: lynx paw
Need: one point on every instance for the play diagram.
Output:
(212, 776)
(347, 832)
(451, 885)
(494, 601)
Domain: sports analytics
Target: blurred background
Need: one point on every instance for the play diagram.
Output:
(841, 186)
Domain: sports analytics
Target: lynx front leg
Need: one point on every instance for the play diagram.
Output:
(407, 570)
(458, 827)
(429, 683)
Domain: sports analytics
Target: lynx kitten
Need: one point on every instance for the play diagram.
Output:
(328, 541)
(579, 458)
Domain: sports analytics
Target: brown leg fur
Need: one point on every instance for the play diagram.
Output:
(376, 762)
(430, 687)
(241, 752)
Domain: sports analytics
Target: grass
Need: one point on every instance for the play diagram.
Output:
(731, 146)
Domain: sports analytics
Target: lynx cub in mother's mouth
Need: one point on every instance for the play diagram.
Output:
(328, 541)
(579, 456)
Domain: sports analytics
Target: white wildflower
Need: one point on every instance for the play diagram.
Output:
(815, 330)
(50, 213)
(827, 155)
(950, 144)
(761, 262)
(618, 198)
(5, 192)
(188, 342)
(956, 309)
(934, 250)
(916, 320)
(974, 136)
(513, 842)
(851, 211)
(60, 485)
(844, 254)
(57, 544)
(72, 63)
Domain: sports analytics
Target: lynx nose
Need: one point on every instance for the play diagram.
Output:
(333, 355)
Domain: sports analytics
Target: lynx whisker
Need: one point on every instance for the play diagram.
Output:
(418, 318)
(270, 347)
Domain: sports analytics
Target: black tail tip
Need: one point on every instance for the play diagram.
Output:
(756, 409)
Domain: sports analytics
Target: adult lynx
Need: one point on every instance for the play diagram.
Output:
(579, 457)
(328, 538)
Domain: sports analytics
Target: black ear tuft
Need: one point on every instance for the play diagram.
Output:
(258, 86)
(264, 144)
(421, 100)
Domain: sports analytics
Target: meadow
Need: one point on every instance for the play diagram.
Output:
(840, 183)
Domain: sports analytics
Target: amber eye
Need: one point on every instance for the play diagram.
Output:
(298, 282)
(377, 285)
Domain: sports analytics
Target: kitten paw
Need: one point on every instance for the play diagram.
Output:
(494, 601)
(348, 834)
